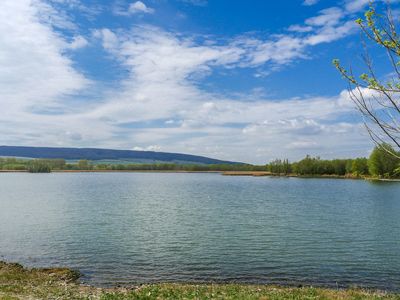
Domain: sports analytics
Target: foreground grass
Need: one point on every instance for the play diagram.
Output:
(17, 282)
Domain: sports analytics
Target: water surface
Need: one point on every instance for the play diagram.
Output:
(129, 228)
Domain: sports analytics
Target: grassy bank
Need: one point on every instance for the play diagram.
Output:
(17, 282)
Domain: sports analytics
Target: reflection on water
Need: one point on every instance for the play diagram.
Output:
(124, 228)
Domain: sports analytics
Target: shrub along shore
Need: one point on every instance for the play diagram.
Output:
(17, 282)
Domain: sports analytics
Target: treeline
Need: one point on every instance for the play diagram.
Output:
(176, 167)
(383, 162)
(47, 165)
(33, 166)
(87, 165)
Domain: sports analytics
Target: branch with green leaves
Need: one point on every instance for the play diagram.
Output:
(376, 99)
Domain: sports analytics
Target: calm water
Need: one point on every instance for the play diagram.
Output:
(125, 228)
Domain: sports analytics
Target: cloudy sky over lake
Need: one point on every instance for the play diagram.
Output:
(238, 80)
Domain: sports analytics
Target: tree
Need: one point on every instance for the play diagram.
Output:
(280, 167)
(359, 167)
(287, 168)
(83, 164)
(339, 166)
(376, 99)
(56, 163)
(381, 162)
(38, 166)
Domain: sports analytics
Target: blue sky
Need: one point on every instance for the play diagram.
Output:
(240, 80)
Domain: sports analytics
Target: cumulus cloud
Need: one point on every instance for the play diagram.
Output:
(137, 7)
(78, 42)
(108, 38)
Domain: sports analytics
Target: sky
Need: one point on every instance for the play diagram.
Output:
(247, 81)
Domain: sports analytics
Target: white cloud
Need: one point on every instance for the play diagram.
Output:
(310, 2)
(108, 38)
(356, 5)
(148, 148)
(78, 42)
(33, 70)
(51, 14)
(327, 17)
(330, 34)
(328, 26)
(280, 50)
(139, 7)
(300, 28)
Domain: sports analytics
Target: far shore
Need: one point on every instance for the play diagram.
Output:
(114, 171)
(261, 173)
(224, 173)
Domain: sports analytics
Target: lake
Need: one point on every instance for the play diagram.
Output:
(129, 228)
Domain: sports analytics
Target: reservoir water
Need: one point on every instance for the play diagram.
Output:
(130, 228)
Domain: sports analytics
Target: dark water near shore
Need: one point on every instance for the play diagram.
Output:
(125, 228)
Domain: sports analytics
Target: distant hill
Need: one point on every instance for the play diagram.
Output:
(107, 154)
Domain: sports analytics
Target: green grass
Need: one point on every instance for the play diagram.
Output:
(17, 282)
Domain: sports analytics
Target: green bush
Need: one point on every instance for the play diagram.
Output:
(38, 166)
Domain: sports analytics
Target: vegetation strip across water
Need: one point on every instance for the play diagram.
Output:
(17, 282)
(380, 164)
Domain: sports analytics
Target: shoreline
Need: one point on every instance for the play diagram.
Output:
(112, 171)
(223, 173)
(18, 282)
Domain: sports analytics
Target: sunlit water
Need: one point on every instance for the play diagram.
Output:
(129, 228)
